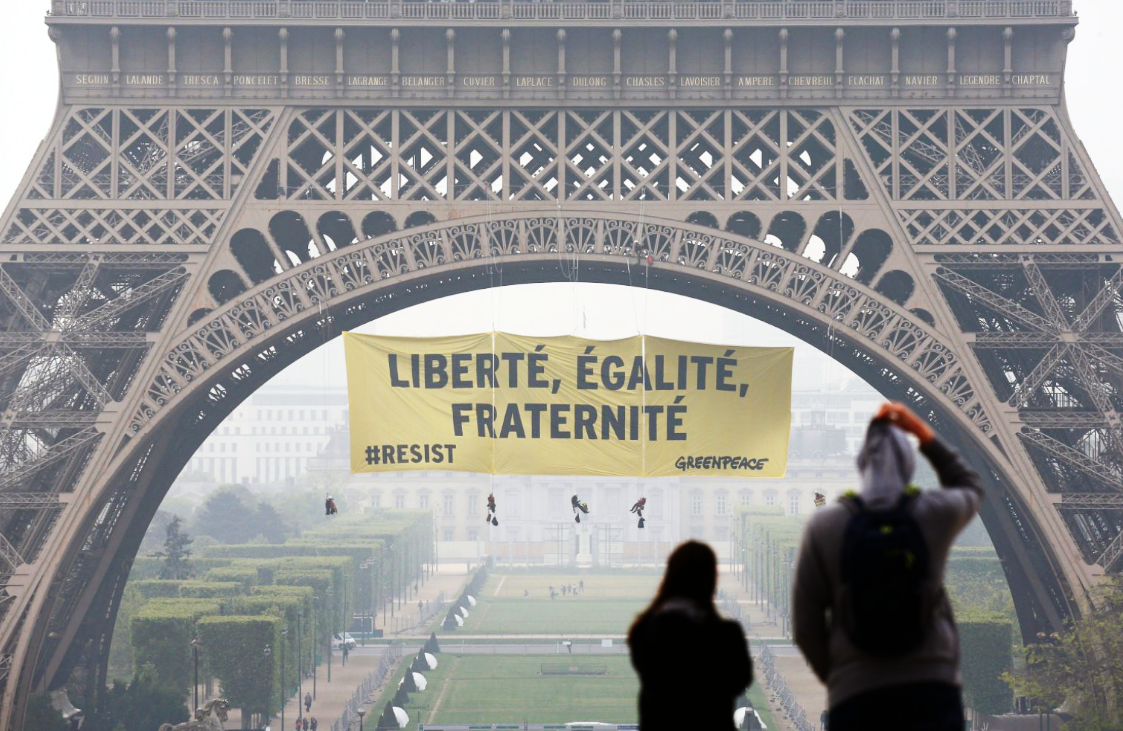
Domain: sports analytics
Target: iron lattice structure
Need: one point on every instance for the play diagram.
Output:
(229, 184)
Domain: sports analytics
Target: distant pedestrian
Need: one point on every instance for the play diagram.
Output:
(692, 664)
(868, 608)
(304, 724)
(315, 723)
(307, 702)
(346, 651)
(582, 584)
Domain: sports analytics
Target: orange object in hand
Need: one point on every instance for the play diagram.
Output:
(903, 418)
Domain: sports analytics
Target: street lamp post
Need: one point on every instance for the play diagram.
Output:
(195, 652)
(299, 657)
(268, 652)
(362, 712)
(284, 690)
(313, 643)
(331, 630)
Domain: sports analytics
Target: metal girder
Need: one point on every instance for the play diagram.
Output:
(1000, 304)
(78, 340)
(1045, 295)
(80, 292)
(1112, 478)
(1109, 292)
(1086, 374)
(1109, 359)
(17, 357)
(1040, 341)
(28, 501)
(1090, 501)
(1111, 554)
(52, 419)
(54, 453)
(130, 298)
(1063, 419)
(10, 555)
(22, 302)
(1033, 380)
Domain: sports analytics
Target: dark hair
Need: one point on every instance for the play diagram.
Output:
(691, 575)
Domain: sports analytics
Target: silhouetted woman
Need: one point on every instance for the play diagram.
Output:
(692, 664)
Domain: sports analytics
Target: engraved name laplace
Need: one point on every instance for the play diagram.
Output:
(535, 82)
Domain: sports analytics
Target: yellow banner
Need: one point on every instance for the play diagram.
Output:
(509, 404)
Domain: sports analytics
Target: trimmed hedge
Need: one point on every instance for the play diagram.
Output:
(288, 608)
(235, 647)
(161, 637)
(319, 581)
(156, 588)
(148, 567)
(244, 575)
(987, 642)
(210, 589)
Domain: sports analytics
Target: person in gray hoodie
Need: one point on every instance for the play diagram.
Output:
(916, 686)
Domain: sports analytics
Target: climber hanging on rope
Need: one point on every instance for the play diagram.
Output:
(638, 509)
(329, 506)
(820, 499)
(489, 516)
(578, 508)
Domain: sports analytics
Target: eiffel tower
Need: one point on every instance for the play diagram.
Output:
(229, 183)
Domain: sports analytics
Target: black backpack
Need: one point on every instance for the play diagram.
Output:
(887, 601)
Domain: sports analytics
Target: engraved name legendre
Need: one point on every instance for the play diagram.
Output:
(749, 85)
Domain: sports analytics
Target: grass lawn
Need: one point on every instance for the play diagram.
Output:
(510, 689)
(474, 689)
(606, 606)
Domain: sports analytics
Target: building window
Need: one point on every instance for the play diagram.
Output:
(473, 504)
(448, 534)
(423, 500)
(399, 500)
(721, 533)
(376, 500)
(448, 503)
(473, 534)
(770, 498)
(722, 507)
(746, 497)
(793, 503)
(696, 502)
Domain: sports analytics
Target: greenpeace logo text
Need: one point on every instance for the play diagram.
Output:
(725, 462)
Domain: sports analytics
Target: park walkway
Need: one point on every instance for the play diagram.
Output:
(332, 698)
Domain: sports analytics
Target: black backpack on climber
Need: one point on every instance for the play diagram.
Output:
(887, 598)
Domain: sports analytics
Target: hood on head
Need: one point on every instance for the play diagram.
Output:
(886, 463)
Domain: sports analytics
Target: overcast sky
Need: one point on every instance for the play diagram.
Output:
(30, 78)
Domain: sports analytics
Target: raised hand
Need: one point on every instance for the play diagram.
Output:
(903, 418)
